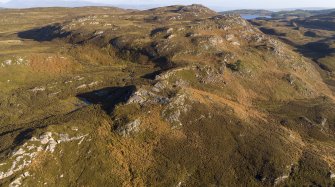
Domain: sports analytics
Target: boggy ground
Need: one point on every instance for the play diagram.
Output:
(173, 96)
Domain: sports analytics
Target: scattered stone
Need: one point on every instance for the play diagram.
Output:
(93, 84)
(169, 31)
(74, 128)
(171, 36)
(78, 78)
(280, 179)
(321, 121)
(290, 78)
(8, 62)
(331, 175)
(38, 89)
(230, 37)
(54, 94)
(82, 86)
(305, 119)
(98, 33)
(236, 43)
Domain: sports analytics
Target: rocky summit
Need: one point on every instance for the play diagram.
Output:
(170, 96)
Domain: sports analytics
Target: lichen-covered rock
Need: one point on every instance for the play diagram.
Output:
(173, 111)
(145, 97)
(280, 179)
(331, 175)
(26, 154)
(129, 128)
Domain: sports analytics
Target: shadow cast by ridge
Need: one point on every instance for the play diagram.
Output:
(316, 50)
(108, 97)
(271, 32)
(46, 33)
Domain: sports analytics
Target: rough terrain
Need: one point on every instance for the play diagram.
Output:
(172, 96)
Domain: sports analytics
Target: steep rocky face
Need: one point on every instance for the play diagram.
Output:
(223, 104)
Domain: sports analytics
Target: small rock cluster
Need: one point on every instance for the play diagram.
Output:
(14, 61)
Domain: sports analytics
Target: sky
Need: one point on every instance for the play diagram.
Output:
(224, 4)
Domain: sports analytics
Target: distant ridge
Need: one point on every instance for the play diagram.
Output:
(247, 11)
(280, 14)
(47, 3)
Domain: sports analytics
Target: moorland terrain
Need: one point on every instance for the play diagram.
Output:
(171, 96)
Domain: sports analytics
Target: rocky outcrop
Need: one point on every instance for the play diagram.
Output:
(173, 111)
(129, 128)
(25, 155)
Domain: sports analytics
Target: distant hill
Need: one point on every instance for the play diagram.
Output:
(301, 13)
(320, 21)
(318, 12)
(249, 11)
(280, 14)
(47, 3)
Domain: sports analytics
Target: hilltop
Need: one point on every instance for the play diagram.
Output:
(171, 96)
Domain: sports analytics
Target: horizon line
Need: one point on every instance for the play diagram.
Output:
(150, 6)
